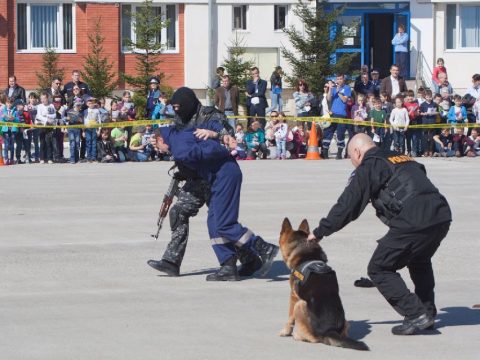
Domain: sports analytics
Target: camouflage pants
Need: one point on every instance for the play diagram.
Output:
(191, 197)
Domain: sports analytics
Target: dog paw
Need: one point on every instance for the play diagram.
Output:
(286, 331)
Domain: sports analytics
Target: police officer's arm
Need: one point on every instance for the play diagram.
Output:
(203, 150)
(368, 178)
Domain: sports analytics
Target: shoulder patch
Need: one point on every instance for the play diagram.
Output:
(398, 159)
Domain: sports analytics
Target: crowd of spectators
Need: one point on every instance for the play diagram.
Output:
(386, 104)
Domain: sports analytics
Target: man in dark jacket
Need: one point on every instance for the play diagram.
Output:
(256, 100)
(417, 215)
(68, 88)
(394, 84)
(14, 90)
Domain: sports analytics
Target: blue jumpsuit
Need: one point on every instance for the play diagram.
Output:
(214, 163)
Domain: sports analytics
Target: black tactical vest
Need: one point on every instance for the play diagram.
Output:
(407, 181)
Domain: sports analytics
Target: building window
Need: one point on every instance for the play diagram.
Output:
(240, 17)
(462, 26)
(280, 20)
(167, 37)
(45, 25)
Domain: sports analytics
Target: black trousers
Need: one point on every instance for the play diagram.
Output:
(415, 250)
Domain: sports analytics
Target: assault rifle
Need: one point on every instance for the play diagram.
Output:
(167, 201)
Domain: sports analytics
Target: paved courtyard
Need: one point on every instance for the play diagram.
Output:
(74, 283)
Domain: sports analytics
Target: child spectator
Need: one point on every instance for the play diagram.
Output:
(236, 151)
(280, 133)
(413, 135)
(104, 113)
(255, 140)
(114, 111)
(240, 136)
(105, 151)
(359, 113)
(378, 118)
(444, 143)
(421, 95)
(370, 100)
(441, 118)
(459, 142)
(31, 107)
(269, 128)
(127, 108)
(457, 113)
(298, 142)
(160, 108)
(440, 68)
(399, 120)
(9, 114)
(60, 115)
(119, 137)
(24, 134)
(473, 144)
(147, 141)
(75, 117)
(91, 117)
(137, 147)
(476, 110)
(388, 107)
(46, 116)
(429, 113)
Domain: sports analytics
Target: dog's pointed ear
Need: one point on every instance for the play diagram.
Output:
(286, 226)
(304, 227)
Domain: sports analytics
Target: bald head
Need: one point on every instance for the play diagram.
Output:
(358, 146)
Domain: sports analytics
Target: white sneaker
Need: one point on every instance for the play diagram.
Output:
(50, 161)
(42, 161)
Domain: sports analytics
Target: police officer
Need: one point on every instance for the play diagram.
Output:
(417, 215)
(196, 191)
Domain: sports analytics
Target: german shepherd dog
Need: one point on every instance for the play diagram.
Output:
(315, 306)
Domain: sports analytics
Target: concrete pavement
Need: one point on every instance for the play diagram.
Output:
(74, 283)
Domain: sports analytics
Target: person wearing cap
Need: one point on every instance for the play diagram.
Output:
(375, 79)
(75, 117)
(91, 117)
(152, 96)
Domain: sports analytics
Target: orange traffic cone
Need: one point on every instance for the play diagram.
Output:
(312, 149)
(1, 155)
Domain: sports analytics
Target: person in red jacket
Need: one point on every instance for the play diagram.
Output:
(24, 135)
(414, 136)
(440, 68)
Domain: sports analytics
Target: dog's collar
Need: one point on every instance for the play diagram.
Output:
(302, 272)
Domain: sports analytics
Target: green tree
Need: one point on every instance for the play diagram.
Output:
(147, 48)
(97, 70)
(237, 68)
(313, 56)
(50, 68)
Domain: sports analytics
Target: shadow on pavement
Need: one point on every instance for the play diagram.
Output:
(278, 272)
(457, 316)
(359, 329)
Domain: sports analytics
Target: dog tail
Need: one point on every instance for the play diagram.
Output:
(336, 340)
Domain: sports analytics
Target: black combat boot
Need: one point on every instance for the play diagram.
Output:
(267, 253)
(339, 153)
(165, 266)
(411, 326)
(250, 262)
(227, 272)
(324, 154)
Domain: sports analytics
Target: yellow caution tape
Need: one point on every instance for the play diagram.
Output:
(90, 126)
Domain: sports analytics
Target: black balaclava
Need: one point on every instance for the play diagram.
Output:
(186, 98)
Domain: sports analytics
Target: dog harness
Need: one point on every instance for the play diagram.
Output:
(305, 269)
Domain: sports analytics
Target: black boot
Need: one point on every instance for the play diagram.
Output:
(227, 272)
(165, 266)
(267, 253)
(324, 154)
(411, 326)
(250, 262)
(339, 153)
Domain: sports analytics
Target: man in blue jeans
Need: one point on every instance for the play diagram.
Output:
(338, 95)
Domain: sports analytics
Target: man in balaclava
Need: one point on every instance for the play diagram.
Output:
(195, 192)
